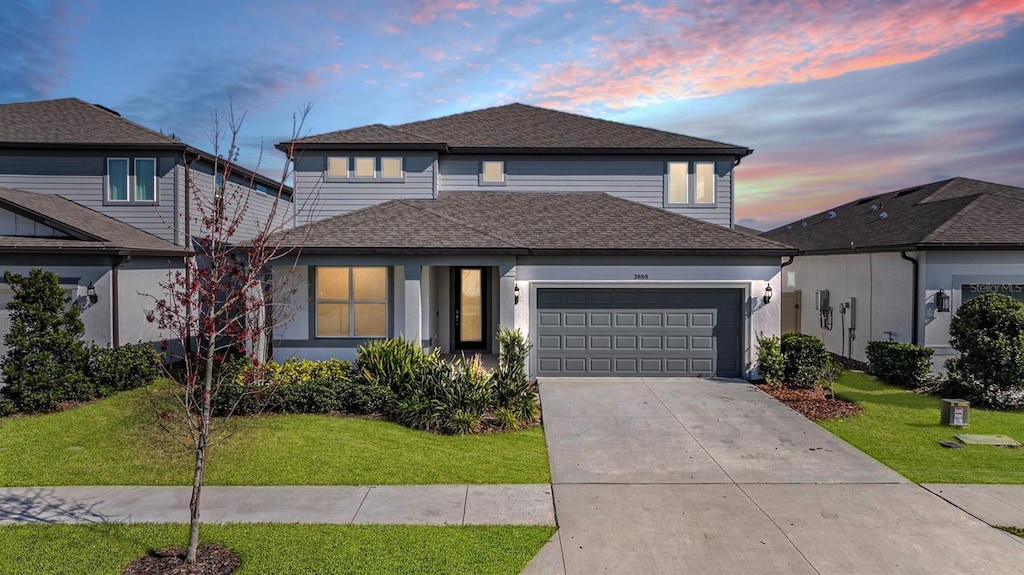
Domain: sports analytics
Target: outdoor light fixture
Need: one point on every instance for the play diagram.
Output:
(942, 301)
(767, 297)
(90, 292)
(516, 291)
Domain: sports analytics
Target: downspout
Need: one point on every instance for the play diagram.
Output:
(914, 298)
(115, 301)
(787, 262)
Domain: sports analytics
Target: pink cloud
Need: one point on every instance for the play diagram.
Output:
(675, 52)
(391, 29)
(427, 11)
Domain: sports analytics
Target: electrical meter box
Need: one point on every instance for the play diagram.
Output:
(956, 412)
(821, 300)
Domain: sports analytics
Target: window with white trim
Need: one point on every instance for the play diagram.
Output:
(337, 167)
(704, 182)
(351, 302)
(131, 180)
(492, 172)
(391, 169)
(365, 168)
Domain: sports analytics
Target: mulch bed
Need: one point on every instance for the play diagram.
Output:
(211, 560)
(813, 404)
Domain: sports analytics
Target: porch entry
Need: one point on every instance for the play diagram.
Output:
(470, 305)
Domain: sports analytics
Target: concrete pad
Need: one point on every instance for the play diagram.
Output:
(669, 529)
(509, 505)
(905, 529)
(598, 397)
(414, 504)
(548, 560)
(627, 450)
(333, 505)
(758, 449)
(993, 504)
(56, 504)
(159, 505)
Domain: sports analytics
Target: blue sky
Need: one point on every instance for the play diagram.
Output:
(838, 98)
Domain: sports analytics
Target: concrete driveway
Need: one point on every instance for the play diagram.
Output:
(700, 476)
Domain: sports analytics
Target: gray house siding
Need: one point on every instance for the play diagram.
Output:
(80, 178)
(640, 179)
(257, 212)
(318, 197)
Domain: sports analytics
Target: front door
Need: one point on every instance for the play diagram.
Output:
(469, 308)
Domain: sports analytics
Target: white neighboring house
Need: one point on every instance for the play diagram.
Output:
(896, 266)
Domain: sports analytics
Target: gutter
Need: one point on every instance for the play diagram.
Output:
(788, 262)
(915, 295)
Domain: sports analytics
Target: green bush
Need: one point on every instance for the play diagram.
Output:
(988, 331)
(45, 361)
(394, 364)
(110, 370)
(513, 390)
(770, 361)
(903, 364)
(807, 364)
(295, 386)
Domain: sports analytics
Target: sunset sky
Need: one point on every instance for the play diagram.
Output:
(837, 98)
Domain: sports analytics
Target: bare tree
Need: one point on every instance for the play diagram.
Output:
(223, 303)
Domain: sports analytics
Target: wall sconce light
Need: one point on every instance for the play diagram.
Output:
(516, 291)
(767, 297)
(90, 292)
(942, 301)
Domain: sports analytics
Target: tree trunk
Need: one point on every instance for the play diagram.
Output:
(197, 480)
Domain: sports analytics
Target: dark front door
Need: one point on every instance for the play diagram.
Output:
(469, 308)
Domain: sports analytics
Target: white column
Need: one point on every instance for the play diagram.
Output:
(412, 330)
(506, 296)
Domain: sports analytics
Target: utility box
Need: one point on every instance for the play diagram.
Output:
(956, 412)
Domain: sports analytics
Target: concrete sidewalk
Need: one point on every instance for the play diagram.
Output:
(1001, 505)
(399, 504)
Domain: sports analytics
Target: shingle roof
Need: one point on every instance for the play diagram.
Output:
(519, 127)
(72, 121)
(959, 212)
(90, 231)
(523, 223)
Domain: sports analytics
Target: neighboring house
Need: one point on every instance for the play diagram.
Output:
(105, 202)
(896, 266)
(611, 246)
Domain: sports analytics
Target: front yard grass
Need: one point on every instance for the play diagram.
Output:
(901, 429)
(277, 549)
(116, 441)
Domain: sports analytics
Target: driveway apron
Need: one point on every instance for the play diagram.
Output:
(715, 476)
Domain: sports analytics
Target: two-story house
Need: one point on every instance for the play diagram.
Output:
(611, 246)
(108, 205)
(896, 266)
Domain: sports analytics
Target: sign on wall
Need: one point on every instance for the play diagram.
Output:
(971, 291)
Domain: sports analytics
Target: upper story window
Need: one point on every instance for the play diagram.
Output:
(492, 172)
(690, 183)
(391, 169)
(337, 167)
(351, 302)
(131, 180)
(365, 168)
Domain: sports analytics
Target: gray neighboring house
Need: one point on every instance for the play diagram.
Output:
(898, 265)
(611, 246)
(105, 202)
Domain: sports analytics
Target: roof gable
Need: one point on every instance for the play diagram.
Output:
(954, 212)
(519, 127)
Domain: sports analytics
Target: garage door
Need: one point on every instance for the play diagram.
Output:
(651, 332)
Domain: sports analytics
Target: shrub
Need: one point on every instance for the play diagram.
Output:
(295, 386)
(513, 391)
(770, 361)
(902, 364)
(393, 364)
(806, 361)
(110, 370)
(988, 331)
(45, 362)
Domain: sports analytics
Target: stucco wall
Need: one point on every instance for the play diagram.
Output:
(882, 284)
(139, 282)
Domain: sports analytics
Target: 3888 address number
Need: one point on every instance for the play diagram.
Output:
(640, 276)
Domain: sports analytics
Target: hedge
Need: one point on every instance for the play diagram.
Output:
(901, 364)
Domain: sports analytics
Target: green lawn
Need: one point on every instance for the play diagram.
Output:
(277, 549)
(901, 429)
(116, 441)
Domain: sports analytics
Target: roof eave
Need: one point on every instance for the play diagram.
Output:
(93, 146)
(340, 250)
(913, 247)
(291, 147)
(637, 151)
